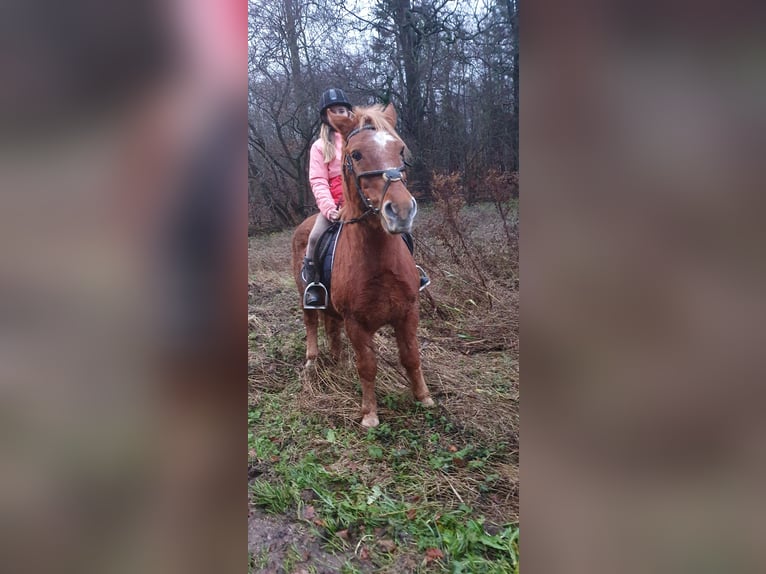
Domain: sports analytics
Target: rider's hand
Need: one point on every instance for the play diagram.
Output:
(333, 215)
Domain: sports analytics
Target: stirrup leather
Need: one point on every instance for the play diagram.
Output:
(305, 272)
(306, 296)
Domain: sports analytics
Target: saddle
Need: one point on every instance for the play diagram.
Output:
(324, 254)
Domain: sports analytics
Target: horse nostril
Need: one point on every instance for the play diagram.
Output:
(390, 209)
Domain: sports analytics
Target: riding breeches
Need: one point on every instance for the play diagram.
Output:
(320, 225)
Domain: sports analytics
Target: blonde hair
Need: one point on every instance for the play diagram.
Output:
(327, 135)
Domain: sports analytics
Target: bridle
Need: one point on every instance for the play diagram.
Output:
(389, 174)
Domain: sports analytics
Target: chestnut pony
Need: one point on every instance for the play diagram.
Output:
(374, 279)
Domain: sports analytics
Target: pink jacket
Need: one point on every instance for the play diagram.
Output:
(321, 174)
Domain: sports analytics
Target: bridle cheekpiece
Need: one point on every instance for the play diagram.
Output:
(389, 174)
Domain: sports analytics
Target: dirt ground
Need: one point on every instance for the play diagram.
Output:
(281, 546)
(274, 541)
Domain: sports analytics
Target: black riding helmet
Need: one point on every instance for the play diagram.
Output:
(332, 97)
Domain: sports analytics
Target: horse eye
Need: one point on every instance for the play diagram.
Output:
(356, 155)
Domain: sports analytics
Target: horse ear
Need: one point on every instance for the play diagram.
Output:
(390, 113)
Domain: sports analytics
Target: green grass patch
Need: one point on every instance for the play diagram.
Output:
(258, 560)
(357, 487)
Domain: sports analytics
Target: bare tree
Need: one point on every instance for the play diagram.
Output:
(449, 66)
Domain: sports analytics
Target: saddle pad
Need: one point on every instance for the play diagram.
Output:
(325, 253)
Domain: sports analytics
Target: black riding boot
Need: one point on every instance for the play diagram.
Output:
(315, 294)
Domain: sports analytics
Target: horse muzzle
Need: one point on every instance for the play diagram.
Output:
(398, 216)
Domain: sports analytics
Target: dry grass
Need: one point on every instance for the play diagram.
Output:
(469, 345)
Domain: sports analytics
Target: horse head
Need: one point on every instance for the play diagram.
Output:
(374, 169)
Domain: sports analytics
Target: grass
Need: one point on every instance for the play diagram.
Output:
(380, 485)
(427, 490)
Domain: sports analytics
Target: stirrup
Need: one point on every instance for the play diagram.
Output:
(320, 305)
(425, 281)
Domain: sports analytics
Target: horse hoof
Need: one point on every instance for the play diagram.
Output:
(369, 421)
(427, 402)
(309, 363)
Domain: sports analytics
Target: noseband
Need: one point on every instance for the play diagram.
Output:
(389, 174)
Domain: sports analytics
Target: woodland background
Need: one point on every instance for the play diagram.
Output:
(450, 67)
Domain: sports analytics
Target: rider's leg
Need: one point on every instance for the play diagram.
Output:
(314, 295)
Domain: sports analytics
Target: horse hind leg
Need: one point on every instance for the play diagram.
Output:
(409, 356)
(311, 322)
(367, 368)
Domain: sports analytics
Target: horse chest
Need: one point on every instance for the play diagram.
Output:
(373, 295)
(379, 298)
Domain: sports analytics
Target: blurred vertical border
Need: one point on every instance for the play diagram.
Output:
(642, 328)
(123, 317)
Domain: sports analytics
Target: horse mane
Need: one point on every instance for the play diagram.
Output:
(373, 116)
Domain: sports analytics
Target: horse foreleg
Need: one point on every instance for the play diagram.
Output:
(367, 367)
(311, 321)
(409, 356)
(332, 327)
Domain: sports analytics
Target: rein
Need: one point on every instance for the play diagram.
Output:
(389, 174)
